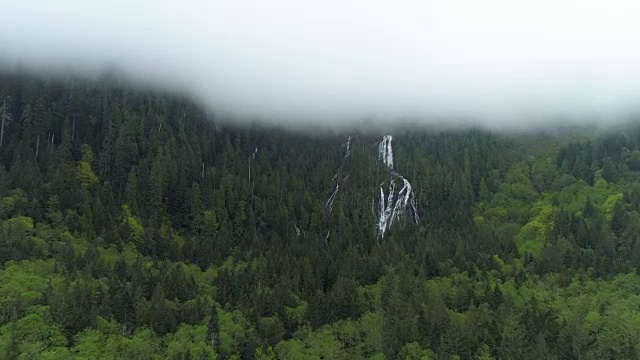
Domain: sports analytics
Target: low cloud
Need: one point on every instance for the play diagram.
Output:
(497, 62)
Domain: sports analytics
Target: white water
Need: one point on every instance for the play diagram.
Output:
(336, 178)
(385, 151)
(397, 205)
(332, 198)
(392, 206)
(386, 209)
(348, 145)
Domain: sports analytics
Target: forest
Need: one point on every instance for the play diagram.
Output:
(135, 225)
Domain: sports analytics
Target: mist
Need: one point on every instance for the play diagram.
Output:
(497, 63)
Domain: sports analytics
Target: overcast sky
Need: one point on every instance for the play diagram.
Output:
(336, 61)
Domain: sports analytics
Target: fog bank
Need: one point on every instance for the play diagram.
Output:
(498, 63)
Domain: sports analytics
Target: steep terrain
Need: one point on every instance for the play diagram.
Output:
(134, 225)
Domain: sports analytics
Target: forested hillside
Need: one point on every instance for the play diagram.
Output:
(133, 225)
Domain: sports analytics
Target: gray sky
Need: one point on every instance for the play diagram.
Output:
(336, 61)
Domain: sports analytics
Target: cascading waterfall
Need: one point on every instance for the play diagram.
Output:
(336, 178)
(397, 205)
(347, 151)
(406, 202)
(328, 205)
(348, 146)
(385, 151)
(332, 198)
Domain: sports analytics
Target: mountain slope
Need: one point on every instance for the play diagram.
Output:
(135, 225)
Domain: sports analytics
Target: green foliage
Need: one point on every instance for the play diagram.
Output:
(131, 229)
(134, 226)
(85, 173)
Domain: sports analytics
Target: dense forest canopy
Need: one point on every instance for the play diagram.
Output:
(135, 226)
